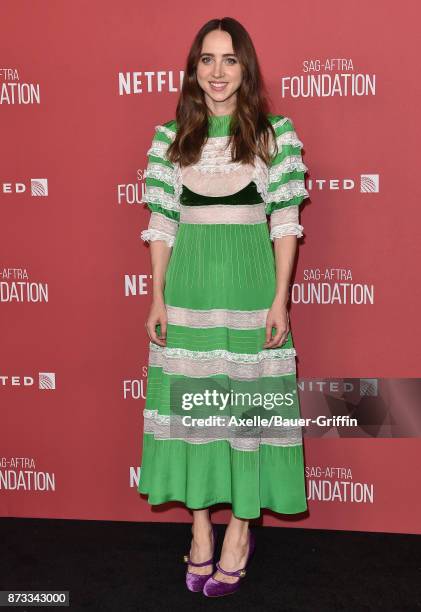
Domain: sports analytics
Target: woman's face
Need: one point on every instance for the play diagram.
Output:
(219, 72)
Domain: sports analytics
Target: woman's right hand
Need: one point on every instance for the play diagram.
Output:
(157, 316)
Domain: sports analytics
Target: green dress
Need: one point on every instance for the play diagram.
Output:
(208, 436)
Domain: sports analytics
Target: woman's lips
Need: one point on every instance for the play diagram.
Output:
(217, 86)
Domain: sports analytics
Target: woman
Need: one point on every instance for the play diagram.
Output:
(218, 319)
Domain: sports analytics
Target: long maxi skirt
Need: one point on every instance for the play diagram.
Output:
(220, 284)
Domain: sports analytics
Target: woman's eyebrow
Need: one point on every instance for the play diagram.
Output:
(223, 55)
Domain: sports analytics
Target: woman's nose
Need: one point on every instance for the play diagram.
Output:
(218, 70)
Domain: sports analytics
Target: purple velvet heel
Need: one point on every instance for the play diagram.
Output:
(217, 588)
(195, 582)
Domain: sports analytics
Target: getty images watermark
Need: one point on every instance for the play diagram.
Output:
(217, 401)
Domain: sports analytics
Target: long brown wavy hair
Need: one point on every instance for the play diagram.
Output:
(249, 128)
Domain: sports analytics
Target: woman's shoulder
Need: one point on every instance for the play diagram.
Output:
(170, 125)
(280, 120)
(166, 130)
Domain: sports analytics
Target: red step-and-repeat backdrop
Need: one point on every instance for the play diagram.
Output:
(83, 85)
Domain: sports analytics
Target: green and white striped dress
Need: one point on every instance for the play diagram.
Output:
(220, 285)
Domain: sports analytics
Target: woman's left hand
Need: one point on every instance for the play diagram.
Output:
(277, 317)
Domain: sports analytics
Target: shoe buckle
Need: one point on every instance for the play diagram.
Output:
(242, 573)
(186, 558)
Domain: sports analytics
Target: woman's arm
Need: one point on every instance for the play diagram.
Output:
(162, 200)
(160, 256)
(286, 191)
(285, 249)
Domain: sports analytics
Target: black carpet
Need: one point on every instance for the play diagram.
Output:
(122, 566)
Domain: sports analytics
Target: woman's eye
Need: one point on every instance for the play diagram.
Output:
(229, 60)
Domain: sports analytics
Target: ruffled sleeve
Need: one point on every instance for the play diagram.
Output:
(286, 190)
(162, 188)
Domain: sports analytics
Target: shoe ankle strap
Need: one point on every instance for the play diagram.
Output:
(240, 573)
(202, 564)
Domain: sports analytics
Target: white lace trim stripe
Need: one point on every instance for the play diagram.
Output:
(281, 122)
(217, 317)
(217, 165)
(157, 195)
(216, 157)
(263, 355)
(158, 149)
(289, 164)
(149, 235)
(166, 131)
(289, 138)
(284, 222)
(287, 229)
(223, 213)
(160, 172)
(161, 222)
(287, 214)
(238, 366)
(287, 191)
